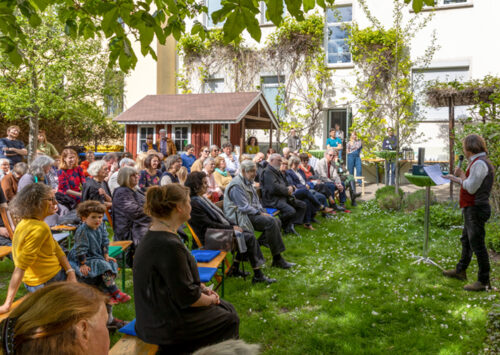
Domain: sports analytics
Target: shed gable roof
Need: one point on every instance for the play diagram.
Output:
(196, 108)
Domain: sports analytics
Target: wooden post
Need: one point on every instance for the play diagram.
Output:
(242, 137)
(451, 132)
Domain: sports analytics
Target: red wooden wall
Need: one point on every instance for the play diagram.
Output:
(234, 135)
(131, 140)
(200, 136)
(216, 134)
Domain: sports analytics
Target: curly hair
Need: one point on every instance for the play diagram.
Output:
(31, 201)
(84, 209)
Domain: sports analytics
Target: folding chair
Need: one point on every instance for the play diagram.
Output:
(219, 262)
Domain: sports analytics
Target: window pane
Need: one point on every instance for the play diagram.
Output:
(338, 47)
(271, 91)
(453, 1)
(263, 9)
(214, 85)
(144, 132)
(213, 5)
(180, 138)
(339, 14)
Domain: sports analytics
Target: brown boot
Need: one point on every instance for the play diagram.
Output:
(455, 275)
(477, 286)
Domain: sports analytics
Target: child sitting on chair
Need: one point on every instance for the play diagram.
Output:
(89, 256)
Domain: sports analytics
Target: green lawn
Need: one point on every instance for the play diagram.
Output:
(356, 291)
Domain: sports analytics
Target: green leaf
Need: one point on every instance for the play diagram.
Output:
(35, 20)
(274, 11)
(232, 27)
(146, 36)
(41, 4)
(108, 20)
(71, 29)
(308, 5)
(253, 26)
(417, 5)
(293, 6)
(430, 2)
(15, 57)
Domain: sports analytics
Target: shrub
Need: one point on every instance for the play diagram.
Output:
(387, 190)
(493, 235)
(416, 200)
(441, 215)
(390, 201)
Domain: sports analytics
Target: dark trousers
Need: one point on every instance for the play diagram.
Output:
(473, 241)
(225, 327)
(312, 204)
(290, 214)
(333, 188)
(253, 253)
(271, 228)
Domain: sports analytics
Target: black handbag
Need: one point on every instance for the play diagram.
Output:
(219, 239)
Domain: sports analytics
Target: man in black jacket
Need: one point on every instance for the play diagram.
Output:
(276, 193)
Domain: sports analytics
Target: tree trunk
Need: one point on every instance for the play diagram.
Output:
(33, 124)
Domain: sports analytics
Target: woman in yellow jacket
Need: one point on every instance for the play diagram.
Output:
(38, 259)
(221, 175)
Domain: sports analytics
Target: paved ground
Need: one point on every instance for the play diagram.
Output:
(441, 192)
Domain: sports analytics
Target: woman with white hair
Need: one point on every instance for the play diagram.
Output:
(172, 166)
(130, 221)
(4, 167)
(113, 179)
(37, 172)
(95, 187)
(214, 192)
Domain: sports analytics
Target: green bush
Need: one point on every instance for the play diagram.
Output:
(390, 201)
(387, 190)
(441, 215)
(416, 200)
(493, 235)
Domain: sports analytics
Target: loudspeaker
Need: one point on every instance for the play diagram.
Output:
(421, 156)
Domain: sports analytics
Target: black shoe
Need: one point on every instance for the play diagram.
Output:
(357, 194)
(291, 230)
(233, 272)
(282, 264)
(263, 279)
(263, 242)
(314, 220)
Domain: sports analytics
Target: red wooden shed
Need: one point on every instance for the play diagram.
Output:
(199, 119)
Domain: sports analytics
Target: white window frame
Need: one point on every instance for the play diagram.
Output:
(206, 81)
(139, 144)
(440, 5)
(274, 85)
(206, 18)
(337, 24)
(181, 126)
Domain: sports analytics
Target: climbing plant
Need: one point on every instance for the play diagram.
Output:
(294, 52)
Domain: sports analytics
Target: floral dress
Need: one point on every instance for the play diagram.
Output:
(71, 179)
(146, 180)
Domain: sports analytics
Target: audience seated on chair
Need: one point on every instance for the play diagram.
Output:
(172, 166)
(214, 192)
(205, 214)
(95, 187)
(242, 207)
(129, 220)
(151, 174)
(327, 173)
(188, 158)
(198, 164)
(70, 175)
(11, 180)
(113, 179)
(192, 316)
(232, 160)
(276, 193)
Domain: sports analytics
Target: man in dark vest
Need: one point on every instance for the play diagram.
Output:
(475, 191)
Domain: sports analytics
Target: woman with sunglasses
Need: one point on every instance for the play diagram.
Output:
(198, 164)
(38, 259)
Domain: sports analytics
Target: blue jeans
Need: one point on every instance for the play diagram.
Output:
(390, 169)
(354, 161)
(60, 276)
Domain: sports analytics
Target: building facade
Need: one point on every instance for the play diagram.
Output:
(464, 29)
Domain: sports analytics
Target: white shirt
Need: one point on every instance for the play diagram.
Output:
(232, 166)
(477, 173)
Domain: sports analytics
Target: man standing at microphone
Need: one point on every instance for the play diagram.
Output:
(475, 191)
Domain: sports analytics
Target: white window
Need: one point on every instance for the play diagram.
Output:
(212, 6)
(423, 77)
(337, 46)
(263, 9)
(145, 131)
(213, 85)
(224, 133)
(181, 137)
(272, 92)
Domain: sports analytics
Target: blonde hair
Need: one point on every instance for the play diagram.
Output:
(162, 200)
(64, 154)
(45, 321)
(218, 160)
(182, 174)
(140, 160)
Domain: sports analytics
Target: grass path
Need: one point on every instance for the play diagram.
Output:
(356, 291)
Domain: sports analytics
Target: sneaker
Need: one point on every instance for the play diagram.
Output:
(116, 324)
(477, 286)
(121, 297)
(455, 275)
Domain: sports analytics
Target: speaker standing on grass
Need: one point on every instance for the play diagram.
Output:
(475, 191)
